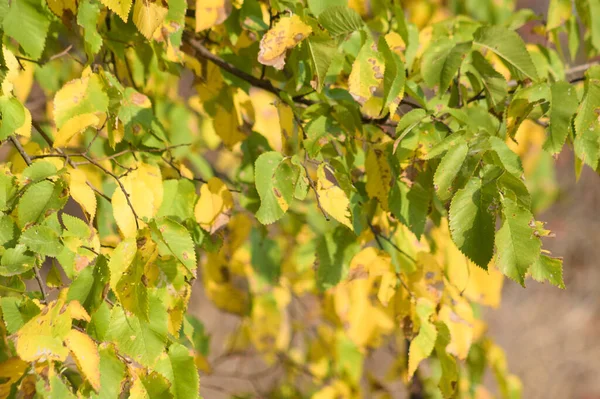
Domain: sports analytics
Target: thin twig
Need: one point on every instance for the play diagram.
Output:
(314, 188)
(21, 150)
(40, 282)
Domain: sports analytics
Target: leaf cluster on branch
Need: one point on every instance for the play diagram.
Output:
(351, 180)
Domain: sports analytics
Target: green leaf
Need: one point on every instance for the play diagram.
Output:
(7, 229)
(39, 200)
(335, 250)
(494, 84)
(562, 108)
(112, 374)
(39, 171)
(340, 20)
(517, 246)
(179, 368)
(121, 259)
(16, 312)
(266, 257)
(509, 46)
(410, 205)
(422, 345)
(318, 6)
(42, 240)
(87, 18)
(27, 22)
(449, 377)
(471, 224)
(275, 194)
(548, 269)
(16, 260)
(13, 116)
(178, 242)
(394, 76)
(321, 53)
(433, 61)
(143, 341)
(587, 126)
(448, 169)
(508, 158)
(178, 199)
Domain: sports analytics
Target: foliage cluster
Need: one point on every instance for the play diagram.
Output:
(351, 179)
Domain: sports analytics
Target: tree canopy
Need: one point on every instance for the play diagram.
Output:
(352, 180)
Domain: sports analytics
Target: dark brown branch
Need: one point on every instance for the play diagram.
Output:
(21, 150)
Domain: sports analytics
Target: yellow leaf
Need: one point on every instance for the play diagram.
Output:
(11, 371)
(286, 34)
(227, 126)
(458, 316)
(266, 118)
(13, 71)
(211, 12)
(337, 390)
(120, 7)
(213, 209)
(148, 16)
(81, 192)
(286, 121)
(379, 176)
(145, 189)
(367, 73)
(77, 311)
(80, 96)
(59, 7)
(422, 345)
(77, 124)
(85, 353)
(332, 197)
(41, 338)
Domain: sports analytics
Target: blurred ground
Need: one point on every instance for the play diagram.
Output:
(551, 336)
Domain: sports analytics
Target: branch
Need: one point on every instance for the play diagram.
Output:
(21, 150)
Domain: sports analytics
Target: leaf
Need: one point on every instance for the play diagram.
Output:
(274, 197)
(81, 192)
(517, 246)
(562, 108)
(38, 171)
(494, 84)
(379, 175)
(321, 52)
(509, 46)
(367, 73)
(13, 116)
(471, 224)
(74, 126)
(179, 368)
(121, 259)
(213, 209)
(335, 250)
(559, 12)
(211, 12)
(340, 20)
(145, 191)
(80, 97)
(27, 22)
(548, 269)
(410, 205)
(42, 240)
(112, 374)
(332, 198)
(587, 126)
(441, 62)
(16, 260)
(178, 199)
(7, 229)
(422, 345)
(228, 127)
(87, 17)
(16, 312)
(34, 202)
(143, 341)
(508, 159)
(85, 353)
(119, 7)
(178, 241)
(448, 169)
(11, 371)
(449, 378)
(394, 76)
(148, 16)
(285, 34)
